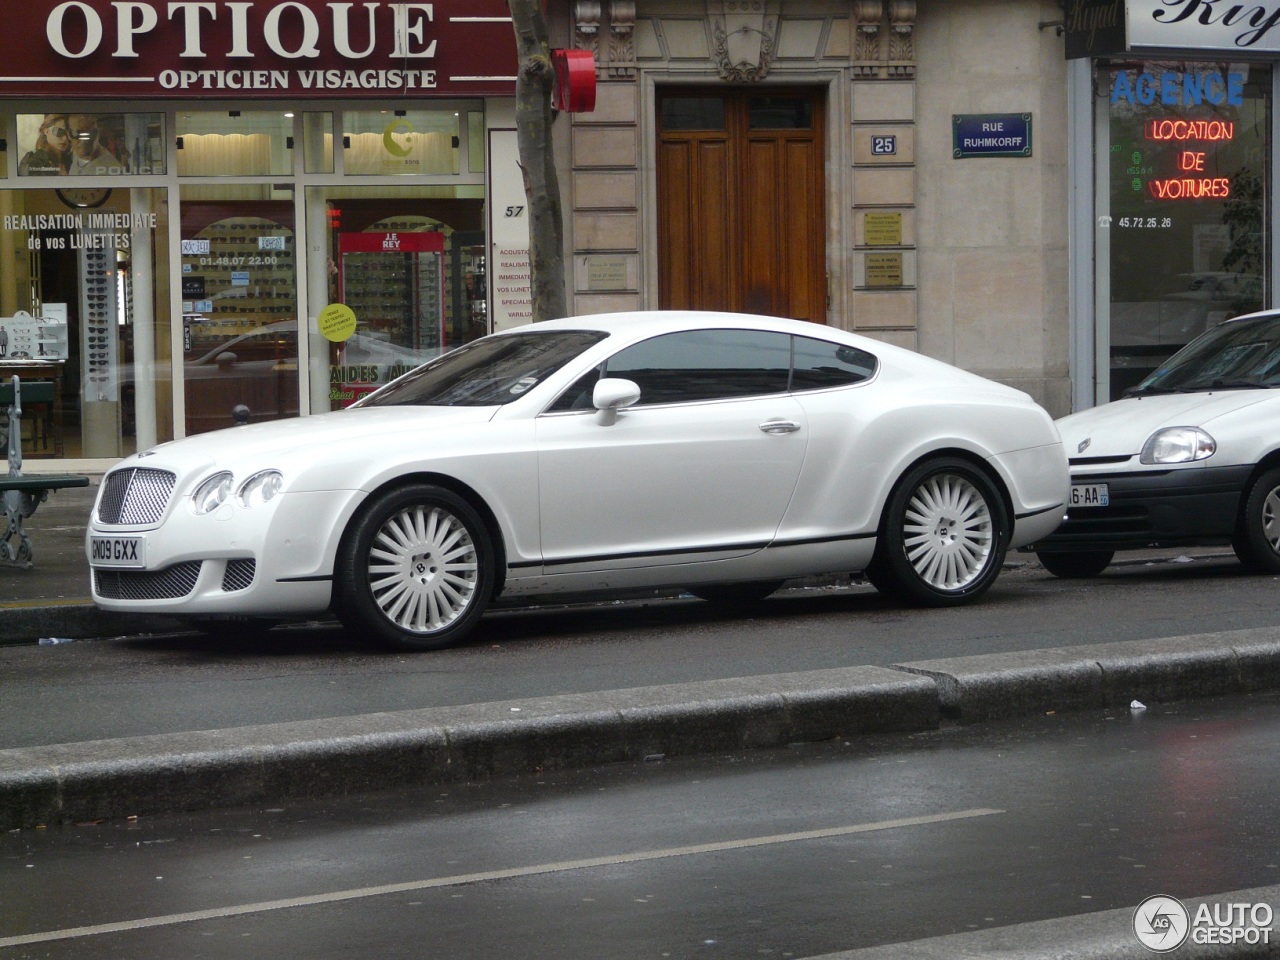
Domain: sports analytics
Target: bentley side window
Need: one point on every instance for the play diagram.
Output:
(820, 365)
(700, 365)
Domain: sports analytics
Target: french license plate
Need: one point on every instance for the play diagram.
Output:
(1090, 495)
(117, 551)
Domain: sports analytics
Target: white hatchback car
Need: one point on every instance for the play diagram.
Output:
(1191, 456)
(714, 452)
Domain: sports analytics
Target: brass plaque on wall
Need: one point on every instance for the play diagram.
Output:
(884, 270)
(882, 229)
(606, 273)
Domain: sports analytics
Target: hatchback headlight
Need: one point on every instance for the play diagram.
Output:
(260, 488)
(212, 493)
(1178, 445)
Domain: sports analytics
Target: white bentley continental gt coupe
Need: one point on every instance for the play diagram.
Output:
(717, 453)
(1189, 457)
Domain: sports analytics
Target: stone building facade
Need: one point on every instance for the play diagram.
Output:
(971, 263)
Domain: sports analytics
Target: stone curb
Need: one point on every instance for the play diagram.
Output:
(1095, 676)
(103, 779)
(1107, 935)
(342, 755)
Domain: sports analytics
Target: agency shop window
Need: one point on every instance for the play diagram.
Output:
(90, 144)
(402, 142)
(235, 143)
(1188, 162)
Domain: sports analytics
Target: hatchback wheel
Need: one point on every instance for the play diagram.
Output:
(943, 537)
(415, 569)
(1257, 539)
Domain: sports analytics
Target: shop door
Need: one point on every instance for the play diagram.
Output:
(740, 202)
(240, 313)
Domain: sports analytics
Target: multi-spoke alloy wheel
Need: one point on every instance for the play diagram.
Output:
(1257, 537)
(415, 568)
(948, 531)
(944, 535)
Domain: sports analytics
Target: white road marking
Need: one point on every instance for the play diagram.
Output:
(361, 893)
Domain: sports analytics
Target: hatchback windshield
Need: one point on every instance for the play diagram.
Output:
(1238, 355)
(487, 372)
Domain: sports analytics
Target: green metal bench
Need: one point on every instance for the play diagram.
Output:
(22, 495)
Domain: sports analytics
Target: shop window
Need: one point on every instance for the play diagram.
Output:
(86, 310)
(234, 143)
(4, 147)
(317, 142)
(1184, 233)
(401, 142)
(90, 144)
(406, 269)
(475, 137)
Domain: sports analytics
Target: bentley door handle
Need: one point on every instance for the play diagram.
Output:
(779, 426)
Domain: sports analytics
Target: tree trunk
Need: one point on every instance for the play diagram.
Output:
(535, 80)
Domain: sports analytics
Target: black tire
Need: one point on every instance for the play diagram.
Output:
(943, 536)
(415, 569)
(749, 591)
(1076, 565)
(1257, 538)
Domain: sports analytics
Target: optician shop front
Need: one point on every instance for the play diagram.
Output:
(1173, 178)
(218, 212)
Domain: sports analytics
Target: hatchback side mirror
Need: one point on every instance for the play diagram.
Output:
(611, 395)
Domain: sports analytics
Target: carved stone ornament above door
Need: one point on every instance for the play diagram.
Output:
(744, 35)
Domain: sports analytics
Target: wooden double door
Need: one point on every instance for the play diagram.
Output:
(741, 222)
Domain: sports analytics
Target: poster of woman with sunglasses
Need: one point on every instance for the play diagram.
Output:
(61, 144)
(50, 155)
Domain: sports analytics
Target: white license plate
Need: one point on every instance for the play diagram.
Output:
(117, 551)
(1090, 495)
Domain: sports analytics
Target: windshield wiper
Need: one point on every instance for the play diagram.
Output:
(1152, 391)
(1241, 383)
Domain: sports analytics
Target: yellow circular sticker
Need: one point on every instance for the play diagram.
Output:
(337, 322)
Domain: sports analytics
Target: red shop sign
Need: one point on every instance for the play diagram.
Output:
(398, 242)
(212, 49)
(575, 90)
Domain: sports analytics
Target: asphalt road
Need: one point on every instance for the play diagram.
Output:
(91, 690)
(789, 853)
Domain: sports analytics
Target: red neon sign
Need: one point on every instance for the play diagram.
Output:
(1176, 130)
(1210, 130)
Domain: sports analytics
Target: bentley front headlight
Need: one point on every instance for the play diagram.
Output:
(212, 493)
(260, 488)
(1178, 445)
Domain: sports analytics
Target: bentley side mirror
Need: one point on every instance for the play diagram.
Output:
(611, 395)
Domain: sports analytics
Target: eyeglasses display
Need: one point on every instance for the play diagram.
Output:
(97, 329)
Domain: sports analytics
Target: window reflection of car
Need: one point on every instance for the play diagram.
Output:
(1225, 287)
(258, 370)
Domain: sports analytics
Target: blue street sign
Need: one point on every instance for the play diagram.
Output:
(991, 135)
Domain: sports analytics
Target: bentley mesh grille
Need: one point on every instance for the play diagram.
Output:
(239, 574)
(168, 584)
(135, 495)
